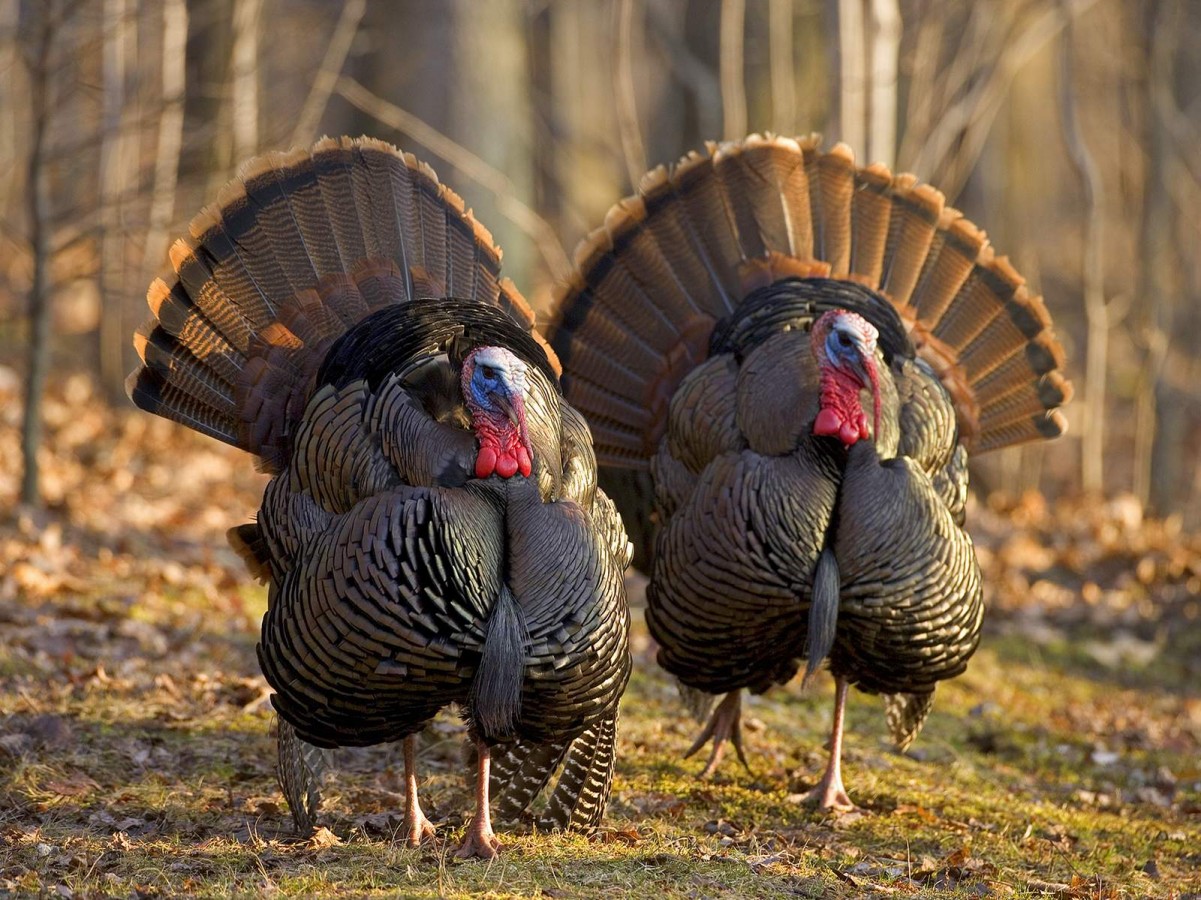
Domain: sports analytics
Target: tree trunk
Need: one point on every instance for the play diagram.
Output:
(1097, 312)
(206, 149)
(118, 172)
(9, 102)
(884, 37)
(783, 67)
(243, 79)
(733, 73)
(852, 84)
(38, 188)
(170, 135)
(1155, 239)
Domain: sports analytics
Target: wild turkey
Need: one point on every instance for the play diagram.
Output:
(801, 353)
(432, 533)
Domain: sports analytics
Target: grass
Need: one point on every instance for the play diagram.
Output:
(128, 769)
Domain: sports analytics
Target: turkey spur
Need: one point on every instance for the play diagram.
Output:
(432, 533)
(798, 354)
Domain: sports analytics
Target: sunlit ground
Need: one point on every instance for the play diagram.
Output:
(136, 756)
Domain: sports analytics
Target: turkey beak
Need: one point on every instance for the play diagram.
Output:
(859, 365)
(506, 405)
(864, 368)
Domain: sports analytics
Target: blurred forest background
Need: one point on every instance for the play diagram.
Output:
(135, 752)
(1069, 129)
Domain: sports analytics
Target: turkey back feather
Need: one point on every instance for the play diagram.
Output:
(678, 257)
(298, 249)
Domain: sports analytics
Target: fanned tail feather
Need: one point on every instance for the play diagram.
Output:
(671, 261)
(296, 250)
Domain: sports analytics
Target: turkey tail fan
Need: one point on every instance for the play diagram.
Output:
(682, 253)
(296, 250)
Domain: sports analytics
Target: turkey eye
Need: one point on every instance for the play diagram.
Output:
(488, 372)
(844, 339)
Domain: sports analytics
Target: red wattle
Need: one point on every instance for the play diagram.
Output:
(849, 433)
(523, 462)
(828, 423)
(506, 466)
(485, 462)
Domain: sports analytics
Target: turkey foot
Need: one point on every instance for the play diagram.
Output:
(480, 840)
(829, 793)
(417, 827)
(725, 724)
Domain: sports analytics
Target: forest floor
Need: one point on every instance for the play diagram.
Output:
(136, 748)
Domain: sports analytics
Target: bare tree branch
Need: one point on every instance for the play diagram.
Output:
(327, 76)
(625, 94)
(493, 180)
(963, 129)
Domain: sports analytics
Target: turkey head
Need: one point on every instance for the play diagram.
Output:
(845, 346)
(494, 383)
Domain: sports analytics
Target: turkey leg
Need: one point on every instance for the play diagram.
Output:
(480, 841)
(829, 793)
(725, 724)
(418, 827)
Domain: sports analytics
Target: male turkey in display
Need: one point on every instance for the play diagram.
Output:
(432, 533)
(801, 353)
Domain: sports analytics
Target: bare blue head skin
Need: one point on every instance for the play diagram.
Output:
(494, 382)
(849, 344)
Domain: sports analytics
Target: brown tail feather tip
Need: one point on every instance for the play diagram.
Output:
(158, 291)
(182, 249)
(1055, 390)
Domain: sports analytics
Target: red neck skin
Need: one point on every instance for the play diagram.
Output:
(841, 413)
(504, 447)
